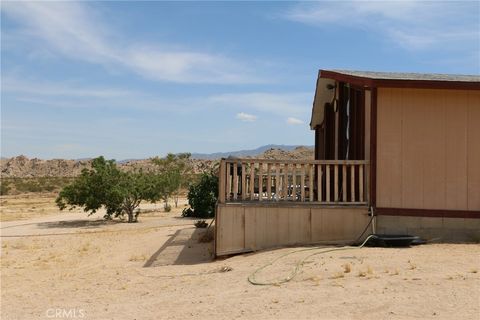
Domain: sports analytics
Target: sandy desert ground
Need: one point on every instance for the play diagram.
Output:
(65, 265)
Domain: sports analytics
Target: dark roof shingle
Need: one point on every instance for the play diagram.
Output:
(409, 76)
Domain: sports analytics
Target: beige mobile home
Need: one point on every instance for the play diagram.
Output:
(395, 153)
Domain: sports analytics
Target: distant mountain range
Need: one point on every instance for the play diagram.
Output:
(24, 167)
(245, 153)
(217, 155)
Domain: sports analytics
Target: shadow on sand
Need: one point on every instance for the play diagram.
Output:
(182, 248)
(81, 223)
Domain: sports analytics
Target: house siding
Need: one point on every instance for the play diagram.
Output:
(428, 149)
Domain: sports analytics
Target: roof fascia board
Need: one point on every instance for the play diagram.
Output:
(395, 83)
(358, 81)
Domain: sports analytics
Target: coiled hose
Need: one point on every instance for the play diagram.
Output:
(252, 277)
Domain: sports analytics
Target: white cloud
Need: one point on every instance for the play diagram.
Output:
(70, 94)
(274, 103)
(413, 25)
(246, 117)
(42, 88)
(77, 31)
(68, 27)
(185, 66)
(294, 121)
(66, 94)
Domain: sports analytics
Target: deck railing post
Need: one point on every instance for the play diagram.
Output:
(352, 177)
(311, 177)
(228, 176)
(277, 181)
(294, 182)
(235, 180)
(252, 181)
(302, 182)
(269, 182)
(367, 183)
(260, 181)
(360, 182)
(335, 189)
(319, 182)
(222, 173)
(244, 182)
(327, 184)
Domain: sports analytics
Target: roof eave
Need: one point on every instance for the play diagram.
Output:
(397, 83)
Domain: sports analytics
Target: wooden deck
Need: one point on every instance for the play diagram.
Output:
(327, 182)
(271, 203)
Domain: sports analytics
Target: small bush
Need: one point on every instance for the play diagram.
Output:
(33, 184)
(201, 224)
(4, 188)
(167, 208)
(202, 197)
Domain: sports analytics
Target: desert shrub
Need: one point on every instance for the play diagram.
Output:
(167, 208)
(28, 185)
(49, 187)
(4, 187)
(201, 224)
(202, 197)
(106, 186)
(33, 184)
(176, 170)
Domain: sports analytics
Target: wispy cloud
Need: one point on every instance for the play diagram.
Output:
(273, 103)
(72, 95)
(76, 30)
(68, 94)
(42, 88)
(413, 25)
(294, 121)
(246, 117)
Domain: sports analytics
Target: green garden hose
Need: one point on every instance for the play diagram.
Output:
(298, 265)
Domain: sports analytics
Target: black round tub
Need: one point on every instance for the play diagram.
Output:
(393, 240)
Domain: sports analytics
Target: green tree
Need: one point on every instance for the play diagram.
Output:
(202, 196)
(106, 186)
(176, 171)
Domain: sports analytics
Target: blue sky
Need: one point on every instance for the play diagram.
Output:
(139, 79)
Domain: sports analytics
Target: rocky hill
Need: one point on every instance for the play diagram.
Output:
(23, 167)
(246, 153)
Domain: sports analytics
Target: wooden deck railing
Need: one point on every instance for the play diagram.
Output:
(318, 181)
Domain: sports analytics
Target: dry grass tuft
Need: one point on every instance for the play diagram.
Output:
(141, 257)
(20, 245)
(337, 275)
(366, 273)
(369, 270)
(347, 268)
(412, 266)
(84, 248)
(314, 279)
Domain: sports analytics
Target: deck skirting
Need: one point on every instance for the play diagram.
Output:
(243, 227)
